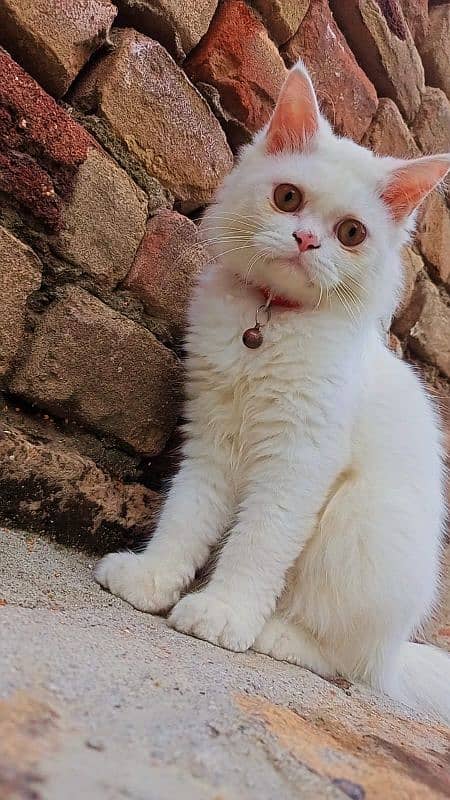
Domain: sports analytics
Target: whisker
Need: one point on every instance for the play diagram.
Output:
(213, 241)
(227, 252)
(354, 300)
(261, 255)
(226, 228)
(237, 219)
(236, 215)
(320, 297)
(356, 283)
(352, 297)
(344, 302)
(216, 239)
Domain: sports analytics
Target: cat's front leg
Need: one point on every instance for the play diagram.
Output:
(272, 527)
(196, 513)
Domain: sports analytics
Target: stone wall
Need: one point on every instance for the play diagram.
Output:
(117, 123)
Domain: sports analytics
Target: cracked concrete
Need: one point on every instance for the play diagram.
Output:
(102, 702)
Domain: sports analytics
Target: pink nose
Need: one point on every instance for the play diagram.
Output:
(306, 240)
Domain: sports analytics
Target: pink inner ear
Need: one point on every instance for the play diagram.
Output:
(409, 184)
(296, 118)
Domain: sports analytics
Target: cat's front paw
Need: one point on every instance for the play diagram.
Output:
(145, 583)
(207, 616)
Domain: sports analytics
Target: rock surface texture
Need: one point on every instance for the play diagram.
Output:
(346, 95)
(118, 121)
(54, 39)
(238, 60)
(155, 112)
(126, 707)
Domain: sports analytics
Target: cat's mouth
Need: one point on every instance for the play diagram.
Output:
(299, 265)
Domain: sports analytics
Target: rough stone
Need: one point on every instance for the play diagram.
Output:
(239, 60)
(412, 265)
(431, 127)
(41, 147)
(281, 17)
(59, 178)
(153, 109)
(20, 274)
(54, 39)
(395, 345)
(435, 49)
(388, 134)
(104, 222)
(157, 195)
(46, 485)
(166, 266)
(411, 302)
(90, 363)
(416, 16)
(107, 702)
(380, 39)
(433, 235)
(178, 26)
(345, 93)
(438, 629)
(429, 338)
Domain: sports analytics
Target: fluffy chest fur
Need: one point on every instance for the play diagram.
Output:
(300, 379)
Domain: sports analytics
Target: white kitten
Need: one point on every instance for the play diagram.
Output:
(319, 452)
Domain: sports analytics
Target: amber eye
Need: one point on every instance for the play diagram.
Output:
(287, 197)
(350, 232)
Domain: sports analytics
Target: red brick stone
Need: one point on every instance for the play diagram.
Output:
(435, 49)
(382, 43)
(166, 266)
(20, 274)
(91, 364)
(345, 94)
(158, 116)
(388, 134)
(41, 147)
(240, 61)
(431, 126)
(433, 235)
(178, 26)
(54, 39)
(282, 17)
(416, 16)
(50, 168)
(429, 337)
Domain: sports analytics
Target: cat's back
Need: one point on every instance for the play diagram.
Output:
(397, 414)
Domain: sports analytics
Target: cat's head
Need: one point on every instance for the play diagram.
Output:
(314, 217)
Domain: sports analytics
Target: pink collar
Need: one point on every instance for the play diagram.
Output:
(278, 300)
(275, 299)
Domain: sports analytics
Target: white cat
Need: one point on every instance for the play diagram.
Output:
(318, 452)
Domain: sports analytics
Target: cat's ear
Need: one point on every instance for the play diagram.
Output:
(410, 182)
(295, 120)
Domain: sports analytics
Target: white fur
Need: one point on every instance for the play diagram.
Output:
(319, 453)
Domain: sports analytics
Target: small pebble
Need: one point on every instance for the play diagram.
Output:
(95, 744)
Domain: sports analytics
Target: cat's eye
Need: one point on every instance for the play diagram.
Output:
(287, 197)
(351, 232)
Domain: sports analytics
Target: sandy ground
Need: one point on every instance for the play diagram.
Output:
(100, 701)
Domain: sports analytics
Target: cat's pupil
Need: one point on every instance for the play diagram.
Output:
(352, 231)
(289, 196)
